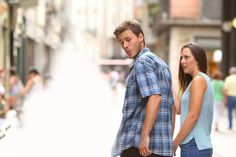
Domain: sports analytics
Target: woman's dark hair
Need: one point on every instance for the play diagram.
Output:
(129, 25)
(33, 71)
(199, 55)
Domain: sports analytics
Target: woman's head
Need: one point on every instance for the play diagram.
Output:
(192, 60)
(217, 75)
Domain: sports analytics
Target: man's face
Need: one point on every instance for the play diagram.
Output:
(131, 44)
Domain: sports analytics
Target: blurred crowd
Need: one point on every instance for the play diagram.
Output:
(224, 96)
(13, 92)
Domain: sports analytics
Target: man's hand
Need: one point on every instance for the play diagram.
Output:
(144, 146)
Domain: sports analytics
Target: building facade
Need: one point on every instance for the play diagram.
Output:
(229, 35)
(177, 22)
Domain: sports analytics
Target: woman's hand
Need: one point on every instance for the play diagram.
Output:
(175, 145)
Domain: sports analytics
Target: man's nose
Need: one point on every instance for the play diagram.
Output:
(126, 44)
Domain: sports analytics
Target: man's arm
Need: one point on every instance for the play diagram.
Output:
(152, 109)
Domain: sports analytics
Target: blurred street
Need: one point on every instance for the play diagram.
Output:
(77, 109)
(224, 140)
(43, 131)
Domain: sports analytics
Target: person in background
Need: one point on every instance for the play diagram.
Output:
(114, 78)
(34, 82)
(15, 86)
(194, 103)
(230, 94)
(148, 116)
(3, 107)
(218, 85)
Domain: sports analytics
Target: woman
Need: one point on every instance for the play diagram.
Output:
(218, 85)
(195, 105)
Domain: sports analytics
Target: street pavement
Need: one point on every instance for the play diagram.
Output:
(61, 136)
(224, 140)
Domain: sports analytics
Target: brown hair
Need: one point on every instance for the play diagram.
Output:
(216, 75)
(134, 26)
(199, 55)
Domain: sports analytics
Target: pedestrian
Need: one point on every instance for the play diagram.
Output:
(15, 86)
(230, 94)
(195, 104)
(114, 79)
(3, 107)
(218, 85)
(147, 125)
(33, 84)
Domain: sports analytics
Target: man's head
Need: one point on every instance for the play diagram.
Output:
(131, 37)
(232, 70)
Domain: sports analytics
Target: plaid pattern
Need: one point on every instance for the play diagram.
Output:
(148, 76)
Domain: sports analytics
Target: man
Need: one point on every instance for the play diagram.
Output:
(147, 124)
(230, 94)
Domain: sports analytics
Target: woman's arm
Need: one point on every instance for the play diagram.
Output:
(197, 91)
(27, 87)
(177, 102)
(173, 118)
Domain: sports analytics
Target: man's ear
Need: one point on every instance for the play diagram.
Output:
(141, 37)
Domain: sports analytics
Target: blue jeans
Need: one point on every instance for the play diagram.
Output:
(231, 106)
(190, 150)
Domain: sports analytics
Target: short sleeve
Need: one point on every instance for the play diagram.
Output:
(226, 84)
(146, 78)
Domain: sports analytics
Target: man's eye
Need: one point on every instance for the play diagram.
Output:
(121, 42)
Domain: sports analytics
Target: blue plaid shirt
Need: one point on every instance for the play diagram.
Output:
(149, 75)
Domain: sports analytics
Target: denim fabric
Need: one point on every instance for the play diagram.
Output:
(231, 106)
(190, 150)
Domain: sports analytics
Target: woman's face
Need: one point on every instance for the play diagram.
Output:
(188, 62)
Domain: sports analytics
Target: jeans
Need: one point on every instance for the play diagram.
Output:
(134, 152)
(231, 106)
(190, 150)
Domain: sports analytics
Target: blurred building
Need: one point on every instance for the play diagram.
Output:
(176, 22)
(97, 19)
(229, 35)
(32, 31)
(3, 34)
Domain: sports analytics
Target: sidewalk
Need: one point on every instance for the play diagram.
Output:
(224, 140)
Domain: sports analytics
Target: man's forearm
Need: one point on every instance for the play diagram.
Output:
(152, 109)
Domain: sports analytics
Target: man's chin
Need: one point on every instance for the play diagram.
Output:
(130, 57)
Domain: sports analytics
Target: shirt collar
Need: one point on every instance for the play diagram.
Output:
(141, 52)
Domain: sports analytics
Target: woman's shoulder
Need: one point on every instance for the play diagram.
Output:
(199, 81)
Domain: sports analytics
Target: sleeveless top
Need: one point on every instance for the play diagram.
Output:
(202, 129)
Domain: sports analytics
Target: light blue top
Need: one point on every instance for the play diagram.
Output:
(202, 129)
